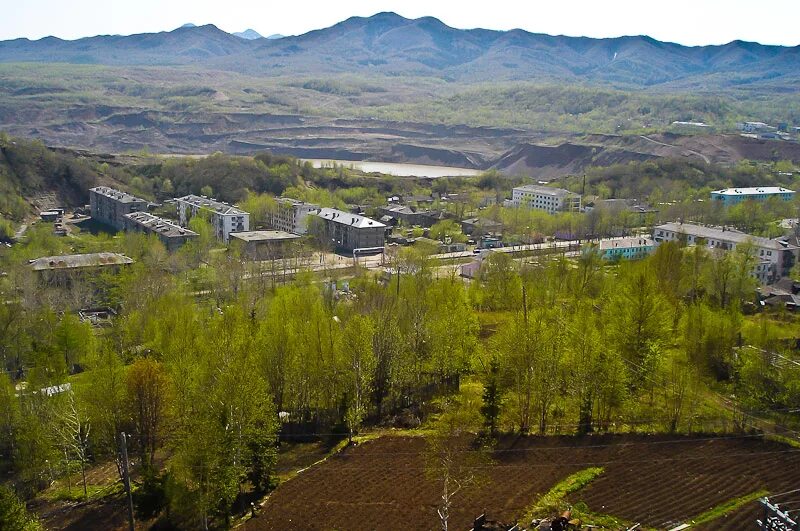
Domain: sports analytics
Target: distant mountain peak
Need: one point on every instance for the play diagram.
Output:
(188, 25)
(249, 34)
(276, 36)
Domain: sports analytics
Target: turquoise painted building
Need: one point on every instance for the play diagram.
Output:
(633, 248)
(733, 196)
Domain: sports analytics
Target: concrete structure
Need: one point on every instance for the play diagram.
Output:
(109, 206)
(732, 196)
(633, 248)
(223, 217)
(170, 233)
(291, 215)
(264, 244)
(348, 232)
(775, 258)
(60, 270)
(551, 200)
(755, 127)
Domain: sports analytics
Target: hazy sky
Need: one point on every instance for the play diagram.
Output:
(690, 22)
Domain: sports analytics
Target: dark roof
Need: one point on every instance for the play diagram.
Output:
(162, 226)
(118, 195)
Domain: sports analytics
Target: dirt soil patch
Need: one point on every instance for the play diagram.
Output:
(654, 480)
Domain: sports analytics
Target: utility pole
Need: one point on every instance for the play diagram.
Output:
(123, 444)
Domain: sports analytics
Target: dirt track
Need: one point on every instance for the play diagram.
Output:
(652, 480)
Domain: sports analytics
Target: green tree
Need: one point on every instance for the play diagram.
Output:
(13, 515)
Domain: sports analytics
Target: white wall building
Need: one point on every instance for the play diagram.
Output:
(223, 217)
(776, 258)
(732, 196)
(551, 200)
(291, 215)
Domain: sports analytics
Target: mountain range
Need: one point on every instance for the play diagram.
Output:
(388, 44)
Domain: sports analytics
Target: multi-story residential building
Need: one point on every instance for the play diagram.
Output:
(775, 257)
(223, 217)
(633, 248)
(109, 206)
(732, 196)
(348, 232)
(291, 215)
(170, 233)
(551, 200)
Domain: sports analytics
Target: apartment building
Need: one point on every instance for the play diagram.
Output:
(291, 215)
(775, 257)
(109, 206)
(224, 218)
(170, 233)
(551, 200)
(348, 232)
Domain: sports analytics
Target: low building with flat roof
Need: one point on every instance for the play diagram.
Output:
(632, 248)
(733, 196)
(60, 270)
(265, 244)
(170, 233)
(224, 218)
(109, 206)
(348, 232)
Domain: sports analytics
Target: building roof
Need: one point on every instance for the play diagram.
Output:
(295, 202)
(346, 218)
(220, 207)
(483, 222)
(77, 261)
(398, 209)
(162, 226)
(118, 195)
(544, 190)
(625, 243)
(756, 190)
(724, 234)
(264, 236)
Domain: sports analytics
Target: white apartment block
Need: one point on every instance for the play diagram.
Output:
(291, 215)
(775, 257)
(551, 200)
(223, 217)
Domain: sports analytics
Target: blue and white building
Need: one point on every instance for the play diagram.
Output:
(632, 248)
(733, 196)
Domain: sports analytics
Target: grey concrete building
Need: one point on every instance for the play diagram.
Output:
(291, 215)
(348, 232)
(109, 206)
(170, 233)
(265, 244)
(224, 218)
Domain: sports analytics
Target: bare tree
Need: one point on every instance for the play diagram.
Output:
(73, 429)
